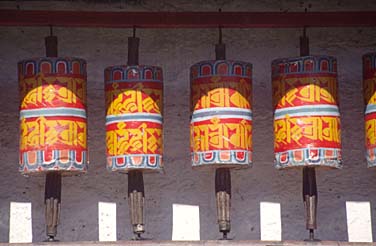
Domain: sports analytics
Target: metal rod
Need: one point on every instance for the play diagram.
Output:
(136, 198)
(52, 193)
(223, 199)
(92, 19)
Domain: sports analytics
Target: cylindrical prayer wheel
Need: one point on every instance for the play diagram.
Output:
(369, 88)
(221, 114)
(53, 124)
(134, 104)
(306, 115)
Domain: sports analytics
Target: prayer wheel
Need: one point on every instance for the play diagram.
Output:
(221, 123)
(53, 125)
(306, 120)
(134, 134)
(221, 109)
(369, 88)
(306, 115)
(134, 118)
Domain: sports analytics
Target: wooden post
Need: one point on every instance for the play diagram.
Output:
(136, 194)
(222, 175)
(310, 196)
(52, 194)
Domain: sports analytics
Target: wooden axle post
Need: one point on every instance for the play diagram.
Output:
(136, 193)
(52, 194)
(310, 196)
(222, 175)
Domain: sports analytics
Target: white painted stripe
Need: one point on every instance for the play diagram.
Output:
(107, 221)
(60, 111)
(270, 221)
(359, 225)
(131, 120)
(20, 223)
(214, 109)
(220, 117)
(307, 114)
(185, 222)
(134, 115)
(308, 107)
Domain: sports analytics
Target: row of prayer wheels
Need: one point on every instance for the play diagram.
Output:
(53, 121)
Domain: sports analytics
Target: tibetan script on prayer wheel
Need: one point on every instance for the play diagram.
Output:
(221, 114)
(306, 115)
(369, 89)
(53, 125)
(134, 104)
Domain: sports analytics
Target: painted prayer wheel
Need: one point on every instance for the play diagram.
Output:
(306, 115)
(221, 114)
(53, 124)
(134, 104)
(369, 88)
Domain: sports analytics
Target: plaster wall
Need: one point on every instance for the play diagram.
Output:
(175, 50)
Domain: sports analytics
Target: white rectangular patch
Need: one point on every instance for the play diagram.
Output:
(20, 224)
(359, 225)
(107, 221)
(185, 222)
(270, 221)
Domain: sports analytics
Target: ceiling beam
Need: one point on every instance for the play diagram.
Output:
(186, 19)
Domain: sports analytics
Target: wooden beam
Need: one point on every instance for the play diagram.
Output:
(186, 19)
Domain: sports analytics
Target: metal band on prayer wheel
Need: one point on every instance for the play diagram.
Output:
(306, 115)
(53, 125)
(134, 104)
(369, 88)
(221, 114)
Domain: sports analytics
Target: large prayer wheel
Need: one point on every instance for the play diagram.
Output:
(306, 115)
(369, 88)
(134, 103)
(53, 115)
(221, 114)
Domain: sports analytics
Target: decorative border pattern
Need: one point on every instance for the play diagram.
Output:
(130, 162)
(304, 65)
(39, 161)
(236, 157)
(140, 73)
(371, 157)
(54, 65)
(309, 157)
(221, 68)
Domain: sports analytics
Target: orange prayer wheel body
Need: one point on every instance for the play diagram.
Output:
(221, 114)
(53, 126)
(134, 102)
(306, 115)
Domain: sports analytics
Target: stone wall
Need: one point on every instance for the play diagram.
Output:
(175, 50)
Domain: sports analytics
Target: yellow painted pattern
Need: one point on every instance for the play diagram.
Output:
(300, 131)
(42, 132)
(128, 139)
(219, 135)
(292, 91)
(137, 99)
(49, 90)
(222, 93)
